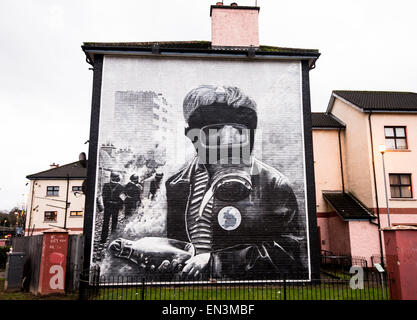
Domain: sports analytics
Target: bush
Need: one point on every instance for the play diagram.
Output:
(3, 256)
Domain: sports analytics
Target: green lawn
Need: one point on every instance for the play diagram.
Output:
(329, 290)
(314, 292)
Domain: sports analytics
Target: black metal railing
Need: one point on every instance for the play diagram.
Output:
(281, 287)
(339, 265)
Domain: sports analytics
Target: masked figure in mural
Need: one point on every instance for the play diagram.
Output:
(133, 191)
(238, 215)
(112, 203)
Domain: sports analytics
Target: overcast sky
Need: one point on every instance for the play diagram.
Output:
(45, 83)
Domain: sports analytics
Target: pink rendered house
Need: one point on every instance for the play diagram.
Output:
(349, 175)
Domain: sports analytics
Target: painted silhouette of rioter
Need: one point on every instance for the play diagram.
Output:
(237, 216)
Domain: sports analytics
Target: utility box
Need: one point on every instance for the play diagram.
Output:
(53, 262)
(14, 271)
(401, 253)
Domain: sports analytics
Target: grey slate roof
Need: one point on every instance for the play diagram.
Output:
(348, 206)
(380, 100)
(198, 45)
(325, 120)
(73, 170)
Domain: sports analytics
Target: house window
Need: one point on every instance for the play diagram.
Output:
(395, 138)
(50, 216)
(76, 213)
(52, 191)
(77, 188)
(400, 185)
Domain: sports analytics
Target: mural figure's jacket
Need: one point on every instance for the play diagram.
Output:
(269, 237)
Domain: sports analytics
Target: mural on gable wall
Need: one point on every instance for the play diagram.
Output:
(201, 170)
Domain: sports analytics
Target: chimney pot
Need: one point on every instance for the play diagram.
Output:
(219, 3)
(234, 4)
(54, 165)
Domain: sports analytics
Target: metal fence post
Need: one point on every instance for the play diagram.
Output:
(285, 287)
(382, 284)
(143, 288)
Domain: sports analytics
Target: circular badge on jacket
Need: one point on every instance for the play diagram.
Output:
(229, 218)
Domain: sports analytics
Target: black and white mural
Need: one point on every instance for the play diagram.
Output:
(201, 170)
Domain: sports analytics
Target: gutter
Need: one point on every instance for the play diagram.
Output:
(54, 178)
(207, 53)
(389, 111)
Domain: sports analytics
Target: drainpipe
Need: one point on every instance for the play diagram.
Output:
(341, 163)
(376, 191)
(31, 206)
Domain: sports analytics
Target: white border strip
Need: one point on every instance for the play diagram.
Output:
(210, 283)
(305, 171)
(305, 188)
(93, 230)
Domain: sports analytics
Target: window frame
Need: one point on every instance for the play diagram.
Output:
(53, 191)
(48, 220)
(401, 185)
(395, 137)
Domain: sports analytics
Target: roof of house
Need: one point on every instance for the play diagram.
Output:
(348, 206)
(323, 120)
(72, 170)
(195, 48)
(389, 101)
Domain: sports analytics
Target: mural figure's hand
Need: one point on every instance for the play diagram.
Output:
(196, 264)
(153, 253)
(170, 266)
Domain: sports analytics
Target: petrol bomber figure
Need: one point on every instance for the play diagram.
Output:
(155, 184)
(229, 214)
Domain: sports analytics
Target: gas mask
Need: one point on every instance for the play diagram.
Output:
(227, 148)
